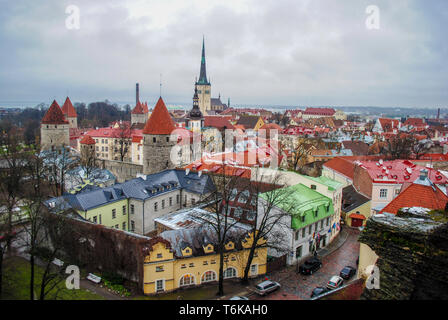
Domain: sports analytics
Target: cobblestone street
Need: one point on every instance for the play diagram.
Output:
(297, 286)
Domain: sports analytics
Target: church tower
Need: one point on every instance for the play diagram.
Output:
(70, 113)
(157, 142)
(195, 118)
(54, 129)
(203, 85)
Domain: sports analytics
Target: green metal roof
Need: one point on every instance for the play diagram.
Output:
(330, 183)
(299, 201)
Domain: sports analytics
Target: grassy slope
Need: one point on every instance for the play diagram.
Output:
(16, 280)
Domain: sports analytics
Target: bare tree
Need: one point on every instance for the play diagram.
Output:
(56, 164)
(267, 195)
(400, 146)
(13, 158)
(223, 191)
(122, 140)
(301, 149)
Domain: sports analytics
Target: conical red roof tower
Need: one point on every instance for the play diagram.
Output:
(145, 107)
(68, 110)
(87, 140)
(138, 109)
(54, 115)
(160, 121)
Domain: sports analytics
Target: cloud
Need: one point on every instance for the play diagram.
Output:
(282, 52)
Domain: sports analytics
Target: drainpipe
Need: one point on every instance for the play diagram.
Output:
(143, 228)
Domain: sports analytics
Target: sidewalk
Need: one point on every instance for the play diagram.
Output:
(335, 244)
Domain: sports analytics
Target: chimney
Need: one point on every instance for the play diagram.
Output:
(423, 174)
(438, 113)
(137, 94)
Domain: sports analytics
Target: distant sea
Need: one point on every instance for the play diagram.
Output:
(364, 110)
(170, 105)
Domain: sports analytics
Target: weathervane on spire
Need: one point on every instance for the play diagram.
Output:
(160, 85)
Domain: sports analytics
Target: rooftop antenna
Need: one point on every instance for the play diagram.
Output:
(160, 85)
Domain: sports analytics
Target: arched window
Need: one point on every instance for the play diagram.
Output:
(230, 273)
(186, 280)
(208, 276)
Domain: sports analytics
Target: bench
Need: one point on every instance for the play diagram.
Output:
(93, 278)
(58, 262)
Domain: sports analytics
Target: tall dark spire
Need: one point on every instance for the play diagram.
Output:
(203, 73)
(195, 113)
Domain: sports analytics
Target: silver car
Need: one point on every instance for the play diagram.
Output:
(335, 282)
(266, 287)
(239, 298)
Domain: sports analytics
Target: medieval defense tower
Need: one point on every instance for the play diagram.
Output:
(70, 113)
(157, 142)
(54, 129)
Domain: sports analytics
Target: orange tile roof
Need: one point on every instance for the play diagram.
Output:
(417, 195)
(145, 107)
(68, 110)
(160, 121)
(54, 115)
(138, 109)
(87, 140)
(342, 166)
(268, 126)
(357, 216)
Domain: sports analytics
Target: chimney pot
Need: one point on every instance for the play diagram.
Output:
(423, 174)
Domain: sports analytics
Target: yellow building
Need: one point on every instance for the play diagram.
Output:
(167, 268)
(356, 208)
(367, 259)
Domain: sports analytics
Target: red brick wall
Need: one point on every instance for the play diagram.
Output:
(362, 181)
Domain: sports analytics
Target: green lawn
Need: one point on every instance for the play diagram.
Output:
(16, 279)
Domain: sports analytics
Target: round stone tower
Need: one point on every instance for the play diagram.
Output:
(54, 129)
(87, 150)
(157, 142)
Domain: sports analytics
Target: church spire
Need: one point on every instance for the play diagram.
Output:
(203, 73)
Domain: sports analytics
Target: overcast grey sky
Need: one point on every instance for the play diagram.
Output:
(283, 52)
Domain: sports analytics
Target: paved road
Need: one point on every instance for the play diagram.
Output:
(299, 287)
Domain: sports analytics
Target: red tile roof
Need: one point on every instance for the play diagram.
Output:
(160, 121)
(342, 166)
(54, 115)
(138, 109)
(68, 110)
(145, 107)
(87, 140)
(218, 122)
(389, 124)
(415, 122)
(357, 216)
(269, 126)
(320, 111)
(417, 195)
(399, 171)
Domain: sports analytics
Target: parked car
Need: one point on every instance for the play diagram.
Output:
(239, 298)
(310, 266)
(335, 282)
(318, 291)
(347, 272)
(266, 287)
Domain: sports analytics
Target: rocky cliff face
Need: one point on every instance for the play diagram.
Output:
(412, 250)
